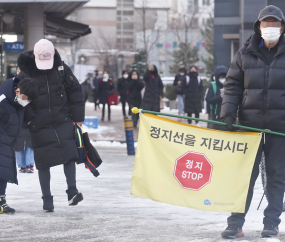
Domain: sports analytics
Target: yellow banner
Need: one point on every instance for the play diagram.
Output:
(193, 167)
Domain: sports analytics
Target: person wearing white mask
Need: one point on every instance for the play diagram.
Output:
(179, 79)
(106, 88)
(254, 92)
(15, 94)
(122, 89)
(214, 95)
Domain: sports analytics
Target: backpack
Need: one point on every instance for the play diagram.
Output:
(86, 151)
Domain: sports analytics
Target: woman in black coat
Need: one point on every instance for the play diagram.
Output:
(51, 118)
(122, 89)
(134, 98)
(193, 91)
(153, 90)
(106, 88)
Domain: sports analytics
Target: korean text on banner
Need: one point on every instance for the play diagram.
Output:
(193, 167)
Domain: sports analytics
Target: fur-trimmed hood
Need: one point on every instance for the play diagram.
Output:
(26, 62)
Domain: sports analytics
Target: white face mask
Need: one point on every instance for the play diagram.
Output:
(134, 77)
(181, 73)
(125, 76)
(23, 103)
(105, 77)
(222, 80)
(270, 34)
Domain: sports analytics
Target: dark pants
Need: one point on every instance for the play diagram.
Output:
(124, 108)
(70, 174)
(197, 115)
(3, 185)
(109, 111)
(96, 96)
(135, 117)
(274, 152)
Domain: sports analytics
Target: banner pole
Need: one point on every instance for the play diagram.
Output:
(136, 110)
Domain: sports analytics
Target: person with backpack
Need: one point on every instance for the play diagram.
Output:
(106, 88)
(215, 94)
(193, 91)
(15, 94)
(178, 81)
(52, 116)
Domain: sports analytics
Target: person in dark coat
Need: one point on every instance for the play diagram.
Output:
(106, 88)
(85, 87)
(193, 91)
(180, 78)
(95, 88)
(14, 95)
(254, 93)
(134, 98)
(215, 94)
(122, 89)
(52, 116)
(153, 90)
(24, 151)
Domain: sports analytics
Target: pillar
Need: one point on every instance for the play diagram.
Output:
(34, 24)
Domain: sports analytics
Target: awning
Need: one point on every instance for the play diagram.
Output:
(66, 29)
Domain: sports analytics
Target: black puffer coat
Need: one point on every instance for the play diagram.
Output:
(134, 96)
(122, 89)
(179, 87)
(105, 89)
(60, 103)
(11, 118)
(255, 89)
(153, 91)
(23, 140)
(193, 92)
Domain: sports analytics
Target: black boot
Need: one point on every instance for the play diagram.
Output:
(4, 208)
(48, 203)
(232, 231)
(270, 230)
(74, 197)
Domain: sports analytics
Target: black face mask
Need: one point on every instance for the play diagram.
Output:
(152, 72)
(193, 73)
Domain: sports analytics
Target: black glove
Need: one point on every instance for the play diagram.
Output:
(229, 120)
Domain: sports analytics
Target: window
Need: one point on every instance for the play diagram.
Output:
(128, 25)
(129, 13)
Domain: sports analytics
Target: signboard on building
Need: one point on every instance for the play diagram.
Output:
(15, 46)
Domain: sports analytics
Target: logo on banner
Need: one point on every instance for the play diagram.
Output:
(193, 171)
(207, 202)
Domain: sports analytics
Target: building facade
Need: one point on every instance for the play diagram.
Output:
(233, 25)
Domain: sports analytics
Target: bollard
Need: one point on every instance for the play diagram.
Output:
(129, 136)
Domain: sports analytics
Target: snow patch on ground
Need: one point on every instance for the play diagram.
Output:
(101, 129)
(109, 144)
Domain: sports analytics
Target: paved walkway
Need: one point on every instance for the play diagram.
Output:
(109, 213)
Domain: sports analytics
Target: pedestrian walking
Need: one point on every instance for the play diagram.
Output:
(193, 91)
(106, 88)
(178, 81)
(122, 89)
(254, 92)
(52, 116)
(153, 90)
(134, 98)
(95, 88)
(215, 95)
(15, 94)
(24, 151)
(86, 86)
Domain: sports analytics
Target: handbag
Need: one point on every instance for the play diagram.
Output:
(113, 99)
(87, 152)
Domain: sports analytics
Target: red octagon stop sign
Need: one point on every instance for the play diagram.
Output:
(193, 171)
